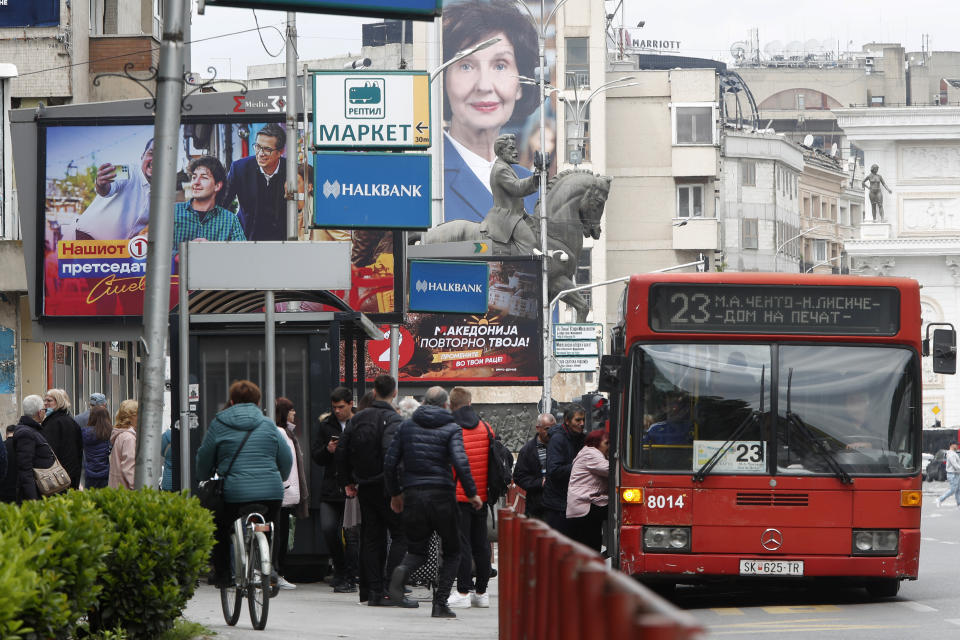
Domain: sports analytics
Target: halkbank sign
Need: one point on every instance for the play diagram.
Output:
(448, 286)
(371, 109)
(371, 190)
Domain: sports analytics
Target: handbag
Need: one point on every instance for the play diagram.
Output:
(210, 492)
(52, 480)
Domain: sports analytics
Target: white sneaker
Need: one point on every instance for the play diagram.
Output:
(459, 600)
(480, 600)
(283, 584)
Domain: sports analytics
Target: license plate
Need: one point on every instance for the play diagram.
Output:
(771, 567)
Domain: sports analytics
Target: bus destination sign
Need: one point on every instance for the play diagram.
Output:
(730, 308)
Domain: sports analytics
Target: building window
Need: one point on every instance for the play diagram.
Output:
(748, 173)
(876, 101)
(577, 129)
(690, 201)
(801, 102)
(749, 233)
(578, 62)
(819, 250)
(693, 124)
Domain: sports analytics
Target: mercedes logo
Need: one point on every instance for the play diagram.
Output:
(771, 539)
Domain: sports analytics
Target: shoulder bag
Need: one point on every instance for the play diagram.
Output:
(52, 480)
(210, 492)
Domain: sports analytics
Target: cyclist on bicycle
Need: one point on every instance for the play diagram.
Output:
(256, 475)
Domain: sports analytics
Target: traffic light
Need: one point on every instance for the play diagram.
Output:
(597, 410)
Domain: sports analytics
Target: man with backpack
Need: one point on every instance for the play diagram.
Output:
(359, 459)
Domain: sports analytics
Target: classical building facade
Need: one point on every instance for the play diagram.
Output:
(917, 150)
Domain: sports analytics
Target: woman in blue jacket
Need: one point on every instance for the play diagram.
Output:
(255, 476)
(96, 447)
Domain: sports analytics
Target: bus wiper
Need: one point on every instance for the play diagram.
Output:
(816, 444)
(751, 419)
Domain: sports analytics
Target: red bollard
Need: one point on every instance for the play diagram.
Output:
(506, 520)
(593, 606)
(545, 544)
(569, 596)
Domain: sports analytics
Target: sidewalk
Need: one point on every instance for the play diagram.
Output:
(315, 611)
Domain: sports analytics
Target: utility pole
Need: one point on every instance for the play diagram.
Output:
(156, 304)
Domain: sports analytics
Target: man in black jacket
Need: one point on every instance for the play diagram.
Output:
(359, 457)
(31, 447)
(566, 440)
(530, 472)
(418, 477)
(332, 495)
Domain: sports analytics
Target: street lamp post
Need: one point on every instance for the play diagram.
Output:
(541, 29)
(580, 107)
(822, 262)
(789, 240)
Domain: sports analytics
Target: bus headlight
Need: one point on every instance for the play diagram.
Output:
(666, 539)
(875, 542)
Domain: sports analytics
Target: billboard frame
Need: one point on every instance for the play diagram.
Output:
(29, 129)
(333, 8)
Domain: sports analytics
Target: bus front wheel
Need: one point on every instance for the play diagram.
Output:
(883, 587)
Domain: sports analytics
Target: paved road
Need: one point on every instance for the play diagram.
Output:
(925, 608)
(314, 611)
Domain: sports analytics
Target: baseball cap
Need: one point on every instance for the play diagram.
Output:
(98, 398)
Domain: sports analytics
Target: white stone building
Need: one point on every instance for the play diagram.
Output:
(917, 150)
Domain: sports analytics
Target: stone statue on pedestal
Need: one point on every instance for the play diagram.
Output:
(505, 222)
(875, 180)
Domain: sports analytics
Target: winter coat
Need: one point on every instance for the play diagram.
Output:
(3, 462)
(588, 482)
(32, 452)
(263, 462)
(476, 443)
(123, 458)
(328, 427)
(362, 447)
(296, 492)
(96, 454)
(166, 450)
(8, 483)
(424, 449)
(64, 436)
(563, 447)
(529, 475)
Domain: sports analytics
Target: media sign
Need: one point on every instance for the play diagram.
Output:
(371, 191)
(381, 109)
(403, 9)
(438, 286)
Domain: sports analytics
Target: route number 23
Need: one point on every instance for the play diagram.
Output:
(665, 502)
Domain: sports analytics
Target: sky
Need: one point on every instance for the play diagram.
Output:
(704, 28)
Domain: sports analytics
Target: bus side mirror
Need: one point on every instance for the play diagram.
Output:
(611, 372)
(944, 351)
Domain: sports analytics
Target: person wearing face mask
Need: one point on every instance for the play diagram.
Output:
(30, 450)
(63, 433)
(483, 95)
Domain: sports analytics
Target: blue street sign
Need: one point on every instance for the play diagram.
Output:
(400, 9)
(371, 190)
(447, 286)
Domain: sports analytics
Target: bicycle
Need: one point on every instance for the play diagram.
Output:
(252, 568)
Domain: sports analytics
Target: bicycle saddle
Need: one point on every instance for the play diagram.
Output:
(253, 507)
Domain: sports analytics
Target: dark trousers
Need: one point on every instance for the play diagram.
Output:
(474, 548)
(331, 528)
(376, 521)
(557, 520)
(96, 483)
(425, 511)
(224, 522)
(588, 529)
(280, 541)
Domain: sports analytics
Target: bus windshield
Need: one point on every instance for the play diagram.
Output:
(841, 410)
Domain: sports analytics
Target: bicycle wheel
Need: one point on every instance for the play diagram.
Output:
(231, 596)
(258, 586)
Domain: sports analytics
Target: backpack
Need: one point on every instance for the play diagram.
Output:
(366, 443)
(499, 468)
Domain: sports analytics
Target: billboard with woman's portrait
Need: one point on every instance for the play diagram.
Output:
(484, 96)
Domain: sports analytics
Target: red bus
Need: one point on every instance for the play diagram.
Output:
(768, 425)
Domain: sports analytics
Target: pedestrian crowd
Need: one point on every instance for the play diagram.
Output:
(92, 449)
(405, 492)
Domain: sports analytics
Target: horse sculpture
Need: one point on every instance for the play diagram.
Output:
(575, 201)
